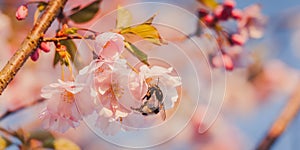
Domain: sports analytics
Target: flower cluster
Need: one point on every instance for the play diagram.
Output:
(106, 87)
(249, 24)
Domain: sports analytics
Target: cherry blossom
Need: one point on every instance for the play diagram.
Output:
(167, 82)
(253, 21)
(107, 86)
(61, 112)
(110, 45)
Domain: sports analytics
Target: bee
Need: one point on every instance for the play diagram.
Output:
(153, 102)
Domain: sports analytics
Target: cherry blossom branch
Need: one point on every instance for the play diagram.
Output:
(30, 43)
(11, 112)
(288, 113)
(55, 39)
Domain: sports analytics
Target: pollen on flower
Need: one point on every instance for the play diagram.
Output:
(117, 90)
(67, 96)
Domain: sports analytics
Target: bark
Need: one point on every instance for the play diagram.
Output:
(30, 43)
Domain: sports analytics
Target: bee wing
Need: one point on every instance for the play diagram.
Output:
(162, 111)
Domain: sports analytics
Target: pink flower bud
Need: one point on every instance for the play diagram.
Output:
(44, 46)
(236, 14)
(238, 39)
(202, 12)
(222, 12)
(229, 3)
(35, 55)
(22, 12)
(224, 60)
(209, 19)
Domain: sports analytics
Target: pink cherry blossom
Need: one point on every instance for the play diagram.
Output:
(253, 21)
(167, 82)
(108, 86)
(110, 45)
(61, 112)
(22, 12)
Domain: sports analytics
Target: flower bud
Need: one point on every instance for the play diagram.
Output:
(224, 60)
(202, 12)
(35, 55)
(229, 4)
(236, 14)
(22, 12)
(209, 20)
(44, 46)
(238, 39)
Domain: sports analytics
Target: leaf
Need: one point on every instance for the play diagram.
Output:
(42, 6)
(87, 13)
(150, 20)
(56, 59)
(124, 18)
(212, 4)
(145, 31)
(72, 50)
(137, 52)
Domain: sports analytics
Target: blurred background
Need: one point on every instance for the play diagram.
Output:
(255, 94)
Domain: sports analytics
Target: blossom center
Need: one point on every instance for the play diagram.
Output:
(67, 96)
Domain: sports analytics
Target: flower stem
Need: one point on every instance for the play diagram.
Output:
(30, 43)
(56, 39)
(288, 113)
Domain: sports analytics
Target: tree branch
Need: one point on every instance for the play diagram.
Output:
(56, 39)
(11, 112)
(30, 43)
(288, 113)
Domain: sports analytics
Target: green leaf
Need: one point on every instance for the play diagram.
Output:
(72, 30)
(87, 13)
(137, 52)
(56, 59)
(72, 50)
(42, 6)
(124, 18)
(212, 4)
(145, 31)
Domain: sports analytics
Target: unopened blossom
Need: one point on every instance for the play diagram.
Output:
(22, 12)
(223, 60)
(238, 39)
(110, 45)
(35, 55)
(223, 12)
(61, 112)
(45, 46)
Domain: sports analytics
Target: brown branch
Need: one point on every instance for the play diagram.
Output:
(288, 113)
(11, 112)
(30, 43)
(56, 39)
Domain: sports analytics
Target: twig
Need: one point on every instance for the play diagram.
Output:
(30, 43)
(287, 115)
(56, 39)
(11, 112)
